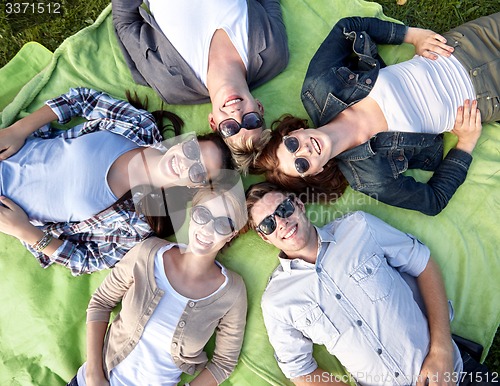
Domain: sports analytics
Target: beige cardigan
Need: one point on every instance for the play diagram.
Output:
(132, 281)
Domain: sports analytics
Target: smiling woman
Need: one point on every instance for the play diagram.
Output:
(117, 150)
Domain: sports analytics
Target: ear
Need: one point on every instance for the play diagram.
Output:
(211, 122)
(261, 107)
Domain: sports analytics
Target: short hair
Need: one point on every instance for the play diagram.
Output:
(326, 186)
(246, 151)
(255, 193)
(226, 157)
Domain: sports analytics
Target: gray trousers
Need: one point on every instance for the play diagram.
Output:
(477, 47)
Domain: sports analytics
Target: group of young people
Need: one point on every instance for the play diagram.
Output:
(107, 189)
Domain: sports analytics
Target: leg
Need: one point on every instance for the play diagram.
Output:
(476, 374)
(477, 47)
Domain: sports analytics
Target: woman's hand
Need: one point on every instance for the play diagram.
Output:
(428, 43)
(11, 140)
(13, 220)
(467, 126)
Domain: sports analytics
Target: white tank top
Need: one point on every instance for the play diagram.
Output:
(190, 26)
(422, 95)
(59, 180)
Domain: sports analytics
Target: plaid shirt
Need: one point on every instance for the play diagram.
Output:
(100, 241)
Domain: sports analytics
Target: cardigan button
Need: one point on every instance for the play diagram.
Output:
(182, 323)
(191, 304)
(174, 345)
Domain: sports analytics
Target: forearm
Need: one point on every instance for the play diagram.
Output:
(31, 234)
(318, 377)
(431, 286)
(205, 378)
(96, 332)
(34, 121)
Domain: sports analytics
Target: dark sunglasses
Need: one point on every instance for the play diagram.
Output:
(250, 121)
(197, 172)
(283, 210)
(292, 144)
(222, 225)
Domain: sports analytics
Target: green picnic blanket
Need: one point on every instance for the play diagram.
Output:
(42, 318)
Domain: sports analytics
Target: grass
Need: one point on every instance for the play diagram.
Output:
(51, 30)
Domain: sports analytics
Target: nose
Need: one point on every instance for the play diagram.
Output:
(304, 149)
(281, 223)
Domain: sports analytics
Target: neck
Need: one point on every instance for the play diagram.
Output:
(193, 265)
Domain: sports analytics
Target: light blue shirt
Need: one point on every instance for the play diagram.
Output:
(355, 301)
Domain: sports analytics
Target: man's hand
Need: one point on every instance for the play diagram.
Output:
(467, 126)
(438, 367)
(428, 43)
(11, 140)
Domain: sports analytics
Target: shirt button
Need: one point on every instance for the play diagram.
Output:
(474, 73)
(369, 271)
(396, 374)
(308, 322)
(351, 77)
(368, 81)
(182, 323)
(359, 322)
(338, 296)
(379, 351)
(318, 269)
(191, 304)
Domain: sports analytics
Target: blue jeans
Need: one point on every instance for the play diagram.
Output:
(73, 382)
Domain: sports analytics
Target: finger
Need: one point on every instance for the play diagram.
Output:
(8, 203)
(429, 54)
(478, 119)
(440, 38)
(466, 109)
(473, 112)
(460, 115)
(5, 153)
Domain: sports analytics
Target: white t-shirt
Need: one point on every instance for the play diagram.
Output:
(150, 362)
(190, 26)
(422, 95)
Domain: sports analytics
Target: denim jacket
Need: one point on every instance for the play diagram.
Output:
(342, 72)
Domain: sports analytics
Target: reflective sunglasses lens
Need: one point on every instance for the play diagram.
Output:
(198, 174)
(285, 209)
(301, 165)
(268, 225)
(201, 215)
(224, 225)
(229, 127)
(191, 149)
(291, 144)
(251, 121)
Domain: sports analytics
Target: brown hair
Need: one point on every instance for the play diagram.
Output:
(254, 193)
(328, 185)
(149, 203)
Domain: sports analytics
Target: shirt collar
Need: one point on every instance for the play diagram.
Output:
(325, 236)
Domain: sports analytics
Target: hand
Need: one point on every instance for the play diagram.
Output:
(13, 220)
(438, 367)
(428, 43)
(11, 140)
(467, 126)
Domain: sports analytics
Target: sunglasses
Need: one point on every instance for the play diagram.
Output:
(283, 210)
(197, 172)
(250, 121)
(222, 225)
(292, 144)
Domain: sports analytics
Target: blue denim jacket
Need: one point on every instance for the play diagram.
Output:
(342, 72)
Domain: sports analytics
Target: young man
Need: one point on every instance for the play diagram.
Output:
(198, 51)
(359, 287)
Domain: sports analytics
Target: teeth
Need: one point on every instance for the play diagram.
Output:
(203, 242)
(174, 166)
(291, 232)
(316, 145)
(232, 102)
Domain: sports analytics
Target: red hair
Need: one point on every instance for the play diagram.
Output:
(326, 186)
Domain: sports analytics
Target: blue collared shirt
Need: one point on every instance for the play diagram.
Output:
(355, 300)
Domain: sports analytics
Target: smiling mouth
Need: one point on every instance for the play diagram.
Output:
(205, 243)
(175, 166)
(316, 145)
(290, 233)
(232, 100)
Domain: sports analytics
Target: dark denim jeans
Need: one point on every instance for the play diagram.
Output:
(476, 374)
(73, 382)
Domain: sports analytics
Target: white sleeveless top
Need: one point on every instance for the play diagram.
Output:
(422, 95)
(190, 26)
(59, 180)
